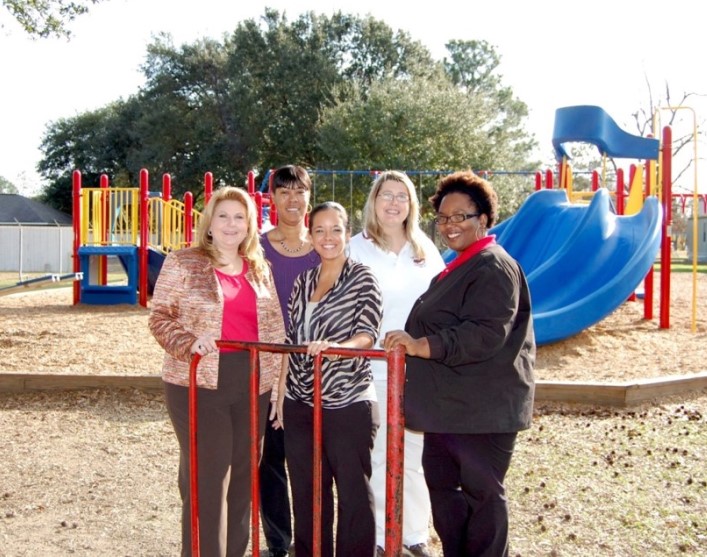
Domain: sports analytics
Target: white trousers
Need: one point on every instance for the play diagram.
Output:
(416, 498)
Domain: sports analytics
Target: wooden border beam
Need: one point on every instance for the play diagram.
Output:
(626, 393)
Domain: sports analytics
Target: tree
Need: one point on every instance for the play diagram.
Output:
(670, 113)
(270, 94)
(473, 67)
(435, 123)
(45, 18)
(97, 142)
(186, 124)
(6, 186)
(285, 74)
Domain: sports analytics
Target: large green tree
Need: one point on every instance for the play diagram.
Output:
(46, 18)
(253, 100)
(286, 74)
(339, 91)
(186, 125)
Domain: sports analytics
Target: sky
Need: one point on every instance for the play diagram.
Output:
(553, 54)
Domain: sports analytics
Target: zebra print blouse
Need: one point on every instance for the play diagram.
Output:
(354, 305)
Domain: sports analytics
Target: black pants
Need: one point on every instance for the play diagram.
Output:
(347, 441)
(465, 473)
(223, 442)
(274, 494)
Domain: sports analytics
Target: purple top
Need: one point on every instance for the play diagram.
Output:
(285, 270)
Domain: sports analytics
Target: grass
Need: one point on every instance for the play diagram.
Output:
(683, 267)
(593, 481)
(584, 480)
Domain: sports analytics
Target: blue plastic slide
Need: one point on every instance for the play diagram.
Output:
(582, 261)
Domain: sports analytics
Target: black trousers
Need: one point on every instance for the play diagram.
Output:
(274, 492)
(347, 441)
(465, 474)
(223, 442)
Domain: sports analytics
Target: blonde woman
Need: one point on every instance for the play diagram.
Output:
(220, 289)
(404, 260)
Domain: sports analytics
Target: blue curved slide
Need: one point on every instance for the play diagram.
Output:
(593, 125)
(581, 261)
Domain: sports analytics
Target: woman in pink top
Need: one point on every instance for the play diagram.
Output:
(220, 289)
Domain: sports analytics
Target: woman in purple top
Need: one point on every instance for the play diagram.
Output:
(289, 251)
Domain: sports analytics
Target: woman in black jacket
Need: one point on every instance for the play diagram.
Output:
(470, 356)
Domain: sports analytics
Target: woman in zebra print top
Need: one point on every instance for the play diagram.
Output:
(337, 304)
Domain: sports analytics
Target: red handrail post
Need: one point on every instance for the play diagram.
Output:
(166, 187)
(395, 452)
(188, 217)
(620, 186)
(105, 229)
(144, 217)
(193, 457)
(317, 459)
(258, 198)
(254, 450)
(548, 179)
(76, 204)
(648, 280)
(595, 180)
(208, 187)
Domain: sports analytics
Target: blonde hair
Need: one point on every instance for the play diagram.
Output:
(371, 226)
(250, 248)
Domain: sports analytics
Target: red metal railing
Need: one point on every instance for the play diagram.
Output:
(394, 441)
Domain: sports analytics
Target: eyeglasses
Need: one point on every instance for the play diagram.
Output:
(388, 196)
(454, 219)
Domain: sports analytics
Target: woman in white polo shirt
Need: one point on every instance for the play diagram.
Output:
(404, 260)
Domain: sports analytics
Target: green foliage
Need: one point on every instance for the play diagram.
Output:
(336, 91)
(46, 18)
(6, 186)
(406, 124)
(95, 142)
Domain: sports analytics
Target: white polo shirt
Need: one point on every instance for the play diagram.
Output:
(402, 280)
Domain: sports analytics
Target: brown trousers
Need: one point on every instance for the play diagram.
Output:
(223, 441)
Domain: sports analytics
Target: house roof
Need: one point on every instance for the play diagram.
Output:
(16, 209)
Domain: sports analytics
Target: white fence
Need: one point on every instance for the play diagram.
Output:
(36, 249)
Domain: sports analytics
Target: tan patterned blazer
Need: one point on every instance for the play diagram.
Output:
(188, 302)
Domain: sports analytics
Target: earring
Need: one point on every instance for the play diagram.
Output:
(209, 234)
(309, 207)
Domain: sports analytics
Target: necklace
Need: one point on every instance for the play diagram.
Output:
(290, 250)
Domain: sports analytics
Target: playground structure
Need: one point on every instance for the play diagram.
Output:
(605, 241)
(133, 226)
(606, 251)
(137, 228)
(585, 253)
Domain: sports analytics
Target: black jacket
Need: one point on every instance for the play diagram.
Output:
(479, 378)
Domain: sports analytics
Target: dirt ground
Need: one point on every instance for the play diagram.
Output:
(94, 472)
(42, 332)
